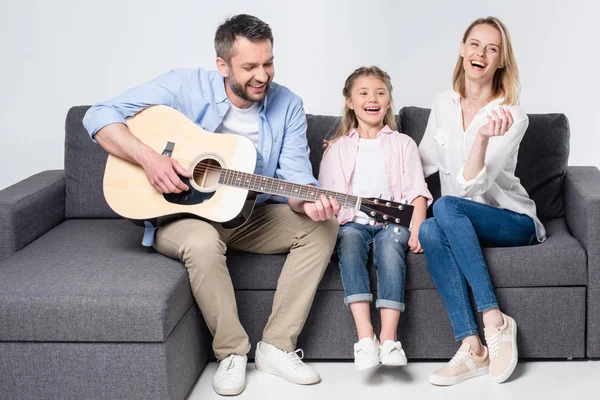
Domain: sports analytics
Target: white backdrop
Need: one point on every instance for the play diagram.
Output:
(57, 54)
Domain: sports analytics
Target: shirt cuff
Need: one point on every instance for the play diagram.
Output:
(98, 117)
(468, 188)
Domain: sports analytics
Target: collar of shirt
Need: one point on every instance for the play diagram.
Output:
(492, 104)
(221, 95)
(353, 134)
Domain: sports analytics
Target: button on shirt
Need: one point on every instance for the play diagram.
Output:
(201, 96)
(445, 148)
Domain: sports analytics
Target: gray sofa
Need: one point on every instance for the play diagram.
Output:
(87, 312)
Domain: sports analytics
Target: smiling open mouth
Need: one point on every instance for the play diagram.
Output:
(478, 65)
(256, 85)
(372, 110)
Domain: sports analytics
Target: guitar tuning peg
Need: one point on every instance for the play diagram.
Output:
(385, 225)
(380, 194)
(392, 198)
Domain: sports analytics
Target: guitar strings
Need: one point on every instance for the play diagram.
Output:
(203, 168)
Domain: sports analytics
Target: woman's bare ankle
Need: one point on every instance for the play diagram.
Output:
(492, 317)
(475, 343)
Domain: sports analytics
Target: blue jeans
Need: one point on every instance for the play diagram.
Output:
(452, 244)
(389, 251)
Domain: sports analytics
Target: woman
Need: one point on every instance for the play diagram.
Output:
(472, 139)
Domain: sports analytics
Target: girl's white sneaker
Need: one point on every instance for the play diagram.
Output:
(392, 353)
(366, 353)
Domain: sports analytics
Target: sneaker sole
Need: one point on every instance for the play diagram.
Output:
(513, 361)
(395, 363)
(449, 381)
(266, 369)
(229, 392)
(361, 366)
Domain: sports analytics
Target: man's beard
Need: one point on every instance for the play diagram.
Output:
(242, 90)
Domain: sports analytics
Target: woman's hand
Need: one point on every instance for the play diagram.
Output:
(498, 123)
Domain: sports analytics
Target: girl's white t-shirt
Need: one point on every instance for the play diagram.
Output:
(368, 178)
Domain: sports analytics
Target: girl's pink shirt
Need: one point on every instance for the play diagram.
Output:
(403, 170)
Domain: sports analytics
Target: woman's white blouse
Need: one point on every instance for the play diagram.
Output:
(445, 148)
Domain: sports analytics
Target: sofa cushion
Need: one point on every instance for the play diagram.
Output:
(559, 261)
(542, 160)
(84, 171)
(91, 280)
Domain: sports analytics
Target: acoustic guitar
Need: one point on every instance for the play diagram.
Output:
(223, 186)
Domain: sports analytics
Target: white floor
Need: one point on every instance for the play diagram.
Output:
(339, 380)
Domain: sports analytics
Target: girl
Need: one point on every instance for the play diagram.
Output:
(472, 139)
(368, 158)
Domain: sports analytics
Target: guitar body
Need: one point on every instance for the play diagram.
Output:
(167, 131)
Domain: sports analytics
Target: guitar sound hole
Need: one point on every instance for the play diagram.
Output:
(206, 174)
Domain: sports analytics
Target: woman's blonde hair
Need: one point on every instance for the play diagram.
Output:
(349, 120)
(506, 79)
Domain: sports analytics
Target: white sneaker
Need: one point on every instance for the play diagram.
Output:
(366, 353)
(230, 378)
(286, 365)
(391, 353)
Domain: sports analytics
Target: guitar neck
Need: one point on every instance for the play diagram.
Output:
(263, 184)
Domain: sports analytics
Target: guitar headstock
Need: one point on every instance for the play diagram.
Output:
(387, 211)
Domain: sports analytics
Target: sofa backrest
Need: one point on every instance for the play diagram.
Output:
(84, 171)
(543, 157)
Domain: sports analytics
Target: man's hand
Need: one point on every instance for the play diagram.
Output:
(162, 171)
(320, 210)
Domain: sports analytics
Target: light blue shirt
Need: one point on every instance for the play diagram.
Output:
(200, 95)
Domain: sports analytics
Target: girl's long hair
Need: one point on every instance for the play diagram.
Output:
(349, 120)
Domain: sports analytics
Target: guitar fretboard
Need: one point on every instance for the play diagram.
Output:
(263, 184)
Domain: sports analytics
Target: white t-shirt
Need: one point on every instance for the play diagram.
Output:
(244, 122)
(368, 178)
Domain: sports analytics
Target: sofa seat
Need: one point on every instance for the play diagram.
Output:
(90, 280)
(559, 261)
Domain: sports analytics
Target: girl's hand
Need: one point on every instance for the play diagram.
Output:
(413, 243)
(499, 122)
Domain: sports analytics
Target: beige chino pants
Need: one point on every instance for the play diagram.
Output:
(271, 229)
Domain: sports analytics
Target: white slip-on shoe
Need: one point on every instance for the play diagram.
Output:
(366, 353)
(287, 365)
(392, 353)
(230, 378)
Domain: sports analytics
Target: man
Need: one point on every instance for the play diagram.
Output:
(240, 98)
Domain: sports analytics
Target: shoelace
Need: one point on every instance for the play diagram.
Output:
(235, 367)
(458, 358)
(493, 345)
(294, 358)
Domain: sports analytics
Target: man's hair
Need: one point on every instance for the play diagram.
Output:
(241, 25)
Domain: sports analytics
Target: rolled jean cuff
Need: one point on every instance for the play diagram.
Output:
(468, 333)
(353, 298)
(487, 306)
(394, 305)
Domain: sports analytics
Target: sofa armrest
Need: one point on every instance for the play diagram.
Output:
(582, 209)
(29, 209)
